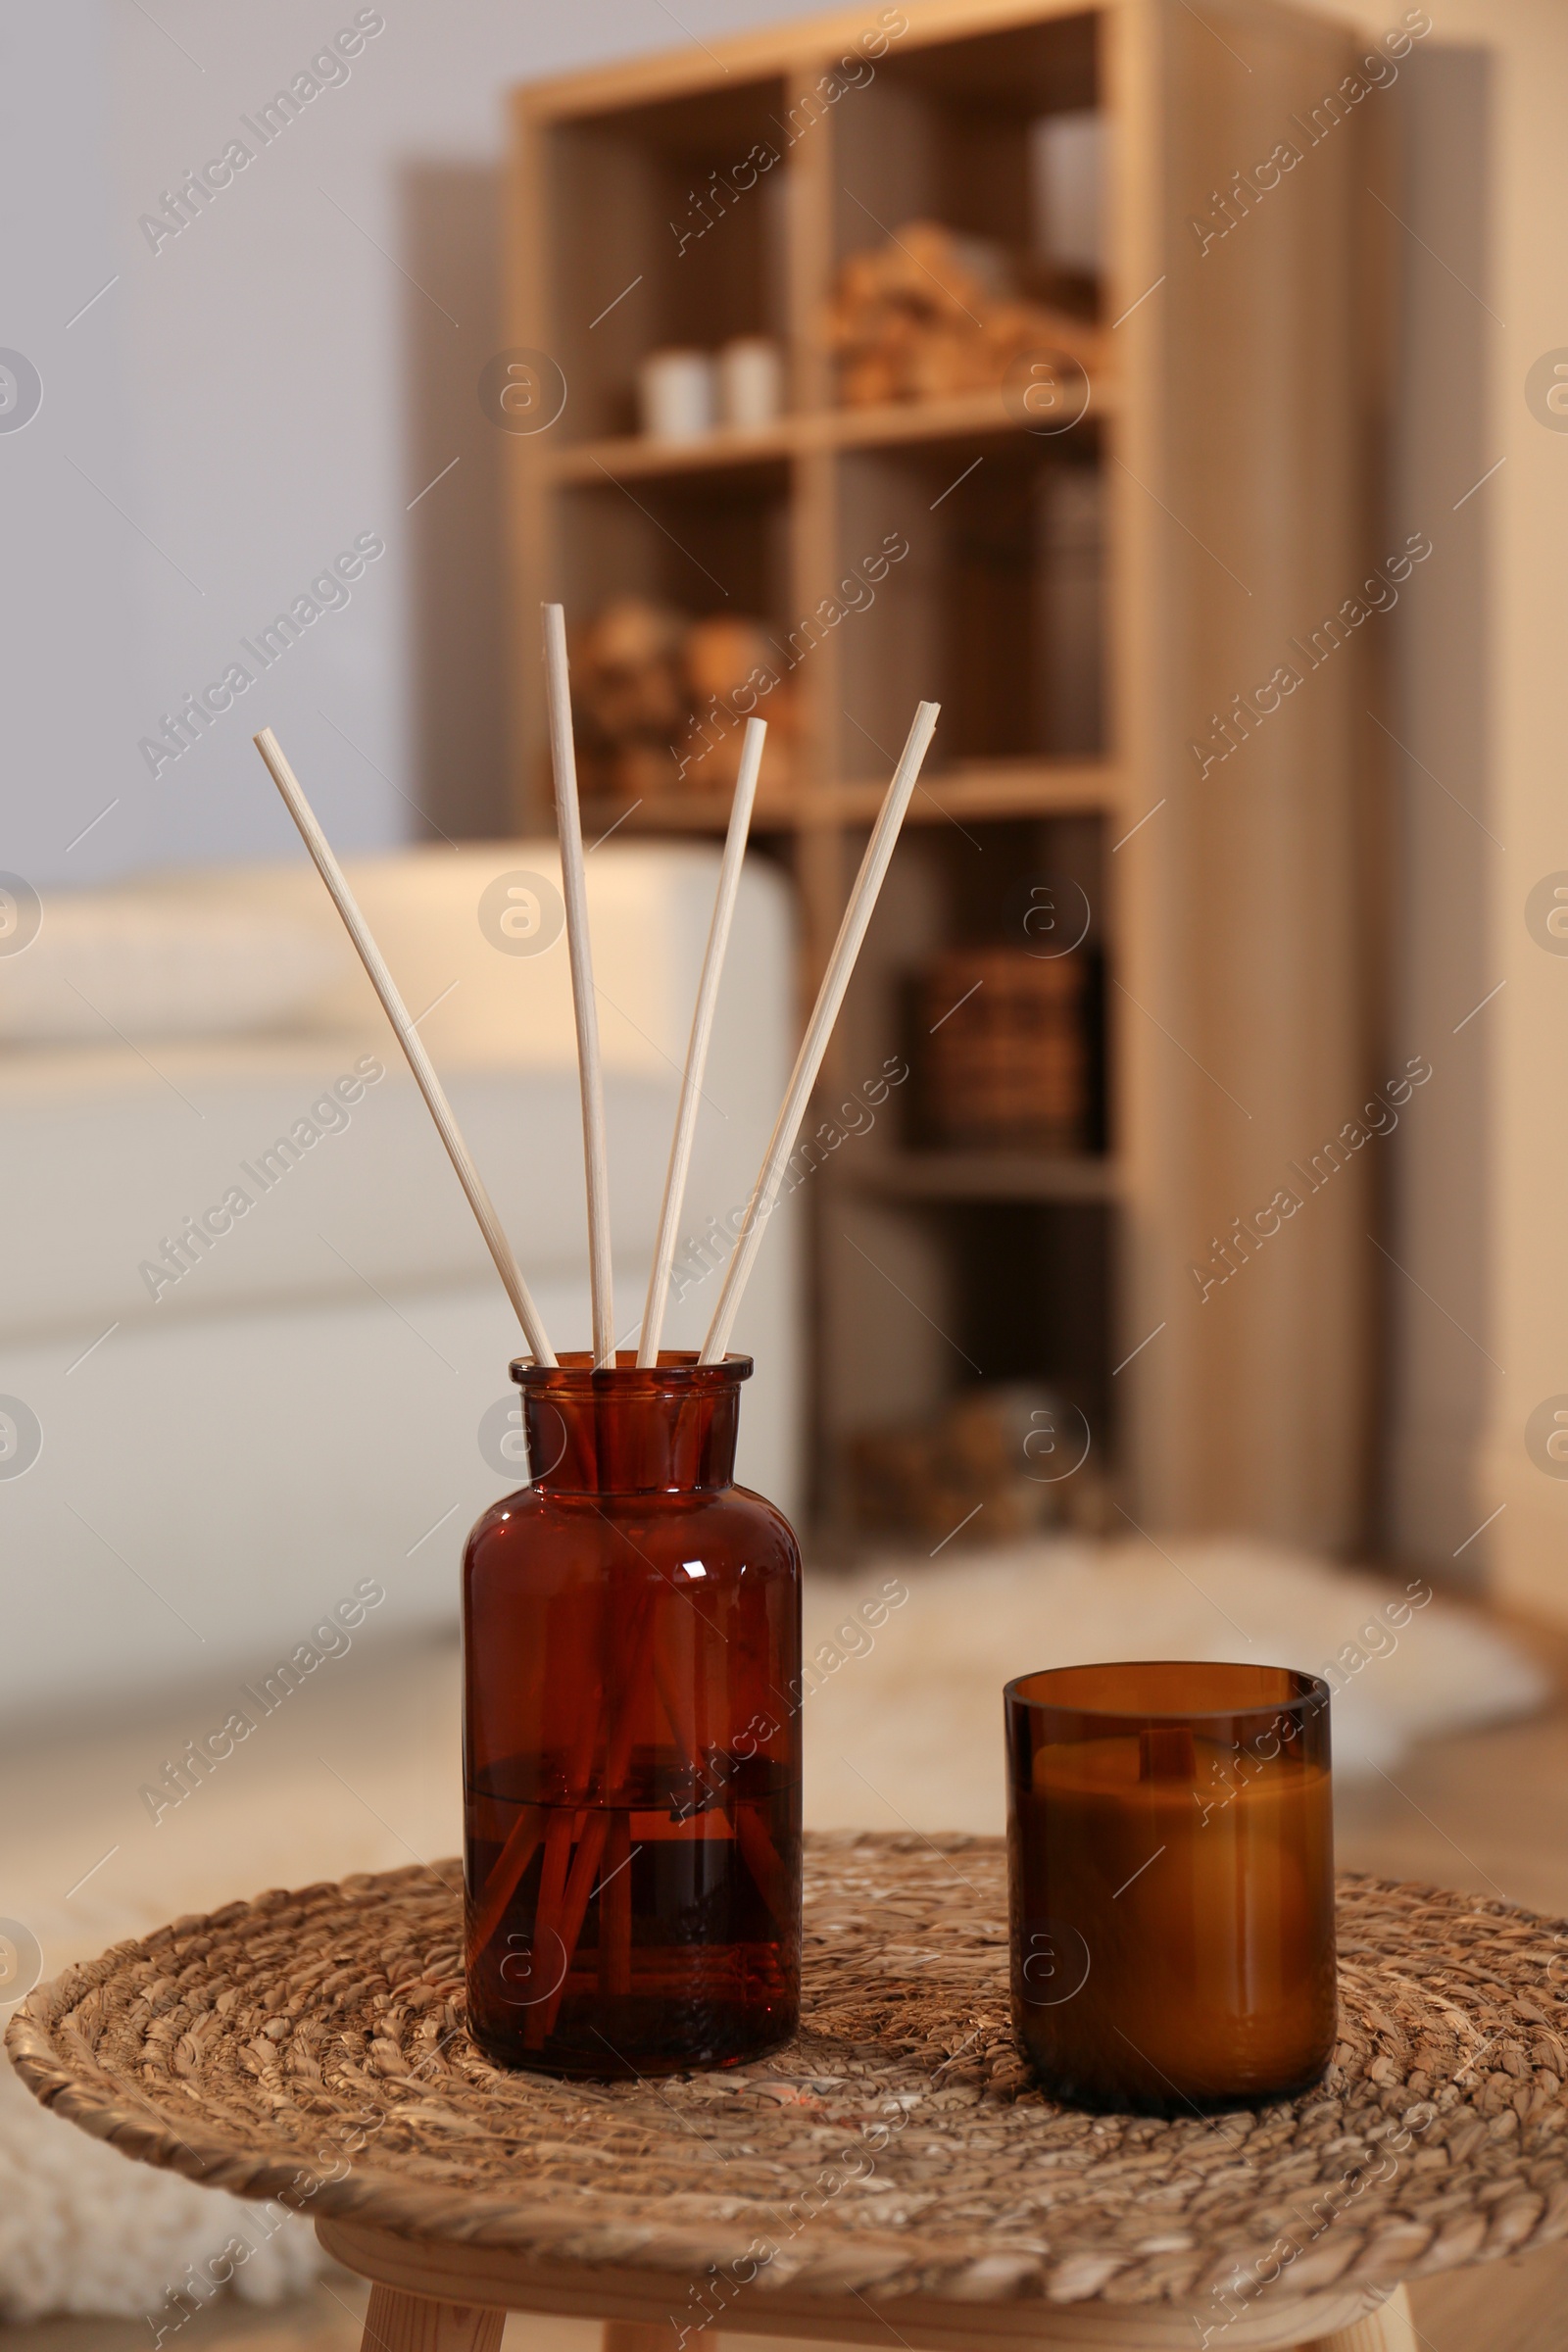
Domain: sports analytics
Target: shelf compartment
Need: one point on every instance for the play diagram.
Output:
(700, 543)
(651, 244)
(925, 1302)
(998, 602)
(652, 717)
(965, 134)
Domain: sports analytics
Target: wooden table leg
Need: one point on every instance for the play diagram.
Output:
(630, 2335)
(398, 2322)
(1389, 2329)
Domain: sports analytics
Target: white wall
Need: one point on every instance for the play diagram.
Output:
(1528, 619)
(1516, 1320)
(68, 683)
(252, 395)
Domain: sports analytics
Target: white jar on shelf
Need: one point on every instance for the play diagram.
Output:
(675, 395)
(751, 383)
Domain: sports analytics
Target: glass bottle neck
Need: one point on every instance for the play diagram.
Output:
(668, 1428)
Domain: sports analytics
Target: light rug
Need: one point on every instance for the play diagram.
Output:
(903, 1717)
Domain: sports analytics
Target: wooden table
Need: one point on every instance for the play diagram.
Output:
(893, 2177)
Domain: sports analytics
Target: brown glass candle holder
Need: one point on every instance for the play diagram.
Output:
(1170, 1850)
(631, 1735)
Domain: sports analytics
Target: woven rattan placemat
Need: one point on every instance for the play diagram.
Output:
(309, 2046)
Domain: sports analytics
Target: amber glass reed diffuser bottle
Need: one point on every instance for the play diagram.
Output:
(631, 1742)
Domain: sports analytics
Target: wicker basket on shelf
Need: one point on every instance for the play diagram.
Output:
(1003, 1044)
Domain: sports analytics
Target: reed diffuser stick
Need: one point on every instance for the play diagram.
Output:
(524, 1840)
(691, 1091)
(590, 1068)
(579, 1835)
(418, 1061)
(809, 1061)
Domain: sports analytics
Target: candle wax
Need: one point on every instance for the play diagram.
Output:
(1175, 1942)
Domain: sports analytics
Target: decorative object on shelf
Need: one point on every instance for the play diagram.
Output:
(629, 696)
(751, 383)
(1066, 190)
(931, 314)
(998, 1462)
(309, 2046)
(1003, 1049)
(684, 395)
(731, 669)
(660, 700)
(677, 395)
(1170, 1849)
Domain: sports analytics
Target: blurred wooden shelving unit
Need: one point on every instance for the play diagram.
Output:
(1220, 457)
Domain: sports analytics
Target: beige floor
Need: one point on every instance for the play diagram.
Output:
(1488, 1811)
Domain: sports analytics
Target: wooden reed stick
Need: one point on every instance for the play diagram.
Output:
(590, 1067)
(809, 1061)
(751, 1835)
(615, 1908)
(565, 1824)
(691, 1092)
(507, 1875)
(681, 1719)
(573, 1911)
(418, 1061)
(564, 1817)
(564, 1899)
(761, 1859)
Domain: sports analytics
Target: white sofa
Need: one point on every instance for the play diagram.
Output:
(227, 1454)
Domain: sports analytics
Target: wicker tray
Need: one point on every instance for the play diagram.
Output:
(309, 2046)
